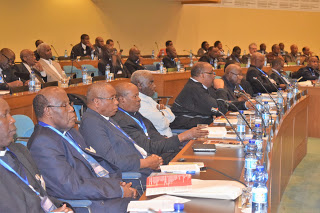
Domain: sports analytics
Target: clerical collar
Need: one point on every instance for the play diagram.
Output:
(2, 153)
(198, 82)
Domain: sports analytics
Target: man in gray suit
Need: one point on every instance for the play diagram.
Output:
(16, 195)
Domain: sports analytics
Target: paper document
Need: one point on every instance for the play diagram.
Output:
(3, 92)
(234, 136)
(180, 169)
(200, 164)
(305, 84)
(245, 112)
(154, 205)
(216, 132)
(221, 120)
(172, 198)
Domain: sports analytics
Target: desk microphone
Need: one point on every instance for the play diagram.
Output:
(55, 50)
(277, 90)
(255, 78)
(193, 55)
(229, 102)
(119, 45)
(157, 46)
(228, 48)
(215, 110)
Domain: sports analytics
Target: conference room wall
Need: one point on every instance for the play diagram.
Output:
(144, 22)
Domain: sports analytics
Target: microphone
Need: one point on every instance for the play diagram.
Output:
(227, 103)
(119, 45)
(189, 52)
(157, 46)
(55, 50)
(277, 90)
(228, 48)
(255, 78)
(217, 110)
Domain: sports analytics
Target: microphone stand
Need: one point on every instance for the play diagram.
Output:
(217, 110)
(55, 50)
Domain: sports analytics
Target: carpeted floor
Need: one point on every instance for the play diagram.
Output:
(303, 191)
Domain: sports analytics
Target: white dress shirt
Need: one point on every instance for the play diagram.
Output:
(161, 119)
(1, 76)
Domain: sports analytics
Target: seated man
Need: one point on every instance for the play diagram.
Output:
(194, 103)
(133, 62)
(235, 55)
(274, 54)
(204, 48)
(29, 64)
(282, 51)
(277, 73)
(107, 138)
(84, 48)
(252, 49)
(311, 71)
(163, 52)
(160, 115)
(37, 43)
(218, 44)
(256, 74)
(306, 54)
(99, 43)
(16, 161)
(73, 170)
(212, 55)
(7, 77)
(293, 55)
(51, 68)
(169, 59)
(263, 49)
(141, 130)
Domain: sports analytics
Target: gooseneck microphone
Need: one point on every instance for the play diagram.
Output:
(157, 46)
(227, 103)
(217, 110)
(119, 45)
(55, 50)
(255, 78)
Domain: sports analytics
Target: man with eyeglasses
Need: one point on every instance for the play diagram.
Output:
(7, 77)
(72, 169)
(193, 104)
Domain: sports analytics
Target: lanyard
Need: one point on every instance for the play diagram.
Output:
(263, 73)
(6, 166)
(312, 72)
(139, 122)
(241, 87)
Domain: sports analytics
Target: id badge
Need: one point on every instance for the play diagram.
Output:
(47, 204)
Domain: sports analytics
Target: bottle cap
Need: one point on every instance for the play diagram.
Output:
(252, 141)
(259, 94)
(279, 89)
(241, 111)
(266, 102)
(260, 168)
(178, 206)
(257, 125)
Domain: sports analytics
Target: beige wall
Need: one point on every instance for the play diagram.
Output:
(142, 22)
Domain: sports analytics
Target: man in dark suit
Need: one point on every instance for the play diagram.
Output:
(16, 195)
(133, 62)
(84, 48)
(274, 54)
(169, 59)
(212, 55)
(106, 136)
(142, 131)
(7, 76)
(277, 73)
(29, 64)
(256, 74)
(235, 55)
(311, 71)
(73, 170)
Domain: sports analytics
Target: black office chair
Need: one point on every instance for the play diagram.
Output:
(49, 84)
(19, 89)
(99, 78)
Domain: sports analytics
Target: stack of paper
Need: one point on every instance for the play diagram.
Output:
(216, 132)
(180, 169)
(222, 120)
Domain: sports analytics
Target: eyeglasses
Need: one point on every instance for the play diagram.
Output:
(210, 73)
(236, 74)
(64, 105)
(113, 98)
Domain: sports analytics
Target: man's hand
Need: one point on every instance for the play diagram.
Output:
(195, 132)
(15, 84)
(249, 104)
(128, 191)
(26, 83)
(38, 66)
(152, 162)
(63, 208)
(218, 83)
(161, 106)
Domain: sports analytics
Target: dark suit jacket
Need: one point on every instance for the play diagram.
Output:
(157, 144)
(8, 76)
(256, 86)
(277, 78)
(22, 72)
(169, 62)
(113, 69)
(78, 51)
(16, 196)
(234, 58)
(110, 143)
(69, 176)
(132, 66)
(307, 73)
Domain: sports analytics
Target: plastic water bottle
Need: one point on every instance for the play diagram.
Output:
(257, 136)
(191, 55)
(295, 88)
(265, 61)
(162, 53)
(92, 55)
(85, 76)
(298, 59)
(249, 62)
(178, 65)
(152, 55)
(32, 82)
(260, 191)
(250, 161)
(280, 99)
(265, 113)
(228, 54)
(66, 54)
(107, 72)
(215, 63)
(191, 62)
(161, 67)
(241, 127)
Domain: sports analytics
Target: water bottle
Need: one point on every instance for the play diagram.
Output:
(295, 88)
(162, 53)
(265, 61)
(260, 191)
(241, 127)
(107, 72)
(265, 113)
(85, 76)
(244, 52)
(298, 59)
(32, 82)
(191, 63)
(259, 99)
(249, 62)
(66, 54)
(215, 63)
(92, 55)
(289, 96)
(228, 54)
(191, 55)
(161, 67)
(280, 99)
(152, 55)
(250, 161)
(257, 117)
(178, 65)
(257, 136)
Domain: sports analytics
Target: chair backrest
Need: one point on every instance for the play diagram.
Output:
(98, 78)
(24, 124)
(68, 69)
(49, 84)
(75, 81)
(150, 67)
(18, 89)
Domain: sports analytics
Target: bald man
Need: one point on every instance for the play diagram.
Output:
(133, 62)
(212, 54)
(169, 59)
(7, 77)
(29, 64)
(311, 71)
(293, 55)
(99, 43)
(256, 76)
(142, 131)
(72, 169)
